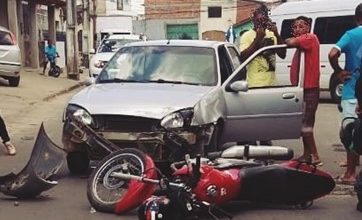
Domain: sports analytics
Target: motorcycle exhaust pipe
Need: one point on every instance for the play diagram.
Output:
(254, 152)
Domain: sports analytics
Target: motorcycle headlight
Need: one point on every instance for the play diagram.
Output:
(178, 119)
(79, 113)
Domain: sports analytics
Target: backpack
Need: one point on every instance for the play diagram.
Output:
(351, 135)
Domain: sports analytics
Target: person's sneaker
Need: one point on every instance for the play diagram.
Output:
(10, 148)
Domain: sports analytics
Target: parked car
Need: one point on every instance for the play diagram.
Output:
(10, 57)
(107, 49)
(195, 88)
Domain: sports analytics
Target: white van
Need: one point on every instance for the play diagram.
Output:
(330, 19)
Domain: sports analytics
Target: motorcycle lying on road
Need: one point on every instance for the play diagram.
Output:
(128, 178)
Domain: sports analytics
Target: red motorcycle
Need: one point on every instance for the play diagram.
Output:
(128, 178)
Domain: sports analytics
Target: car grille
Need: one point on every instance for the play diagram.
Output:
(125, 123)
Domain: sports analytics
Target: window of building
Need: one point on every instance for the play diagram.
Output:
(214, 12)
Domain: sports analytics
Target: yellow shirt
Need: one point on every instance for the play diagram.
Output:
(261, 70)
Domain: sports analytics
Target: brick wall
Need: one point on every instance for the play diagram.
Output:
(172, 9)
(244, 10)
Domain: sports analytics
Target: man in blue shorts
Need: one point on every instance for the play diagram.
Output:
(351, 45)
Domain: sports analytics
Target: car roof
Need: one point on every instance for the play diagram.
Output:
(189, 43)
(314, 6)
(124, 36)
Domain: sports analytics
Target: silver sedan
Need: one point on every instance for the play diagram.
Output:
(193, 89)
(10, 57)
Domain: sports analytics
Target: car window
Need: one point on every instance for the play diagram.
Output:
(286, 31)
(330, 29)
(225, 64)
(264, 67)
(5, 38)
(112, 45)
(235, 58)
(173, 64)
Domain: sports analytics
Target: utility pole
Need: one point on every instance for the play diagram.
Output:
(72, 42)
(86, 30)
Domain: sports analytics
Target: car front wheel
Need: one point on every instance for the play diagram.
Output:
(78, 162)
(14, 81)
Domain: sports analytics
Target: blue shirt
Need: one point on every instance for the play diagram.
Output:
(50, 52)
(351, 44)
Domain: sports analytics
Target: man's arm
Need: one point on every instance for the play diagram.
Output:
(333, 56)
(292, 42)
(281, 53)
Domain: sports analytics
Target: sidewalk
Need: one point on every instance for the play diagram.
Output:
(35, 88)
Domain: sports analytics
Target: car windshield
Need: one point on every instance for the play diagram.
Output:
(112, 45)
(162, 64)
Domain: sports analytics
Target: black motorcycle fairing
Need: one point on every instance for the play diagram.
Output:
(279, 184)
(38, 175)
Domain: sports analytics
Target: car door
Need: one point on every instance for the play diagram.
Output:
(262, 113)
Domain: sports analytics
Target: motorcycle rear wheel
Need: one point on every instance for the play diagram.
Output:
(54, 71)
(103, 190)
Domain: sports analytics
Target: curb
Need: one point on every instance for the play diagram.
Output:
(61, 92)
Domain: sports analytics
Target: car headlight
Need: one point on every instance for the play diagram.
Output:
(99, 63)
(178, 119)
(79, 113)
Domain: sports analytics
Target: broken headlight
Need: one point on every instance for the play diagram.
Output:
(78, 113)
(179, 119)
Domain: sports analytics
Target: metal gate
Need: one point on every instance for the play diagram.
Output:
(182, 31)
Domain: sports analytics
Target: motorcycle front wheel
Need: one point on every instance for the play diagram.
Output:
(104, 190)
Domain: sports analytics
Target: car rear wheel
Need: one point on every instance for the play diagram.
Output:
(78, 162)
(14, 81)
(336, 88)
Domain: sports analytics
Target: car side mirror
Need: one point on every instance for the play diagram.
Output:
(92, 51)
(239, 86)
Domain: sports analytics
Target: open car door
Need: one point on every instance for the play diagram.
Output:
(263, 113)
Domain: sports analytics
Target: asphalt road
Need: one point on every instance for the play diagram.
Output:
(68, 199)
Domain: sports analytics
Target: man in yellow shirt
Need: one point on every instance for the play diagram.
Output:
(260, 71)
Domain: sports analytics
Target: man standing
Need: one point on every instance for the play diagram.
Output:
(260, 71)
(351, 45)
(309, 44)
(51, 53)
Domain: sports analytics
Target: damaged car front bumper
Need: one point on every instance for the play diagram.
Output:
(39, 174)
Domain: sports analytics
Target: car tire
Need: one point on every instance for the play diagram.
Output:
(14, 81)
(78, 162)
(335, 88)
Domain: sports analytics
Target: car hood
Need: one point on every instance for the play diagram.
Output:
(150, 100)
(106, 56)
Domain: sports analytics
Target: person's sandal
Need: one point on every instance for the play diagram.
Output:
(10, 148)
(316, 162)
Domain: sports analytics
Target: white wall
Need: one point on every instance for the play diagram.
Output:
(221, 24)
(130, 8)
